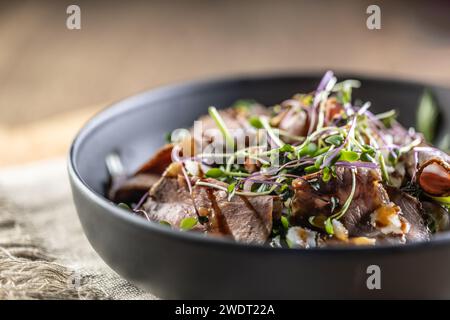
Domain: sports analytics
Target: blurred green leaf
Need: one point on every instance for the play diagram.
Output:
(445, 143)
(255, 122)
(244, 104)
(427, 116)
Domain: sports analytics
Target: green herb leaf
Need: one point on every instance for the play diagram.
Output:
(335, 140)
(321, 151)
(285, 222)
(393, 157)
(367, 158)
(289, 243)
(124, 206)
(308, 150)
(326, 176)
(318, 162)
(188, 223)
(165, 223)
(283, 188)
(441, 200)
(383, 168)
(369, 150)
(311, 169)
(255, 122)
(349, 156)
(231, 187)
(427, 116)
(214, 173)
(333, 171)
(387, 117)
(329, 227)
(168, 137)
(244, 104)
(346, 95)
(287, 148)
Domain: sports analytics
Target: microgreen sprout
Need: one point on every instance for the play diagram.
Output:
(222, 126)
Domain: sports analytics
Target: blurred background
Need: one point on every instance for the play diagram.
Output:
(53, 79)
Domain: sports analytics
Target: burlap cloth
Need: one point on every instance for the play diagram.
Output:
(43, 251)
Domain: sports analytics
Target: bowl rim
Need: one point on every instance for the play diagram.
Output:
(135, 101)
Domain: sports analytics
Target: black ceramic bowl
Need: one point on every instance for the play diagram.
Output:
(173, 264)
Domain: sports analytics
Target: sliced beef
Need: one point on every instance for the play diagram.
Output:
(246, 219)
(313, 197)
(158, 162)
(170, 201)
(413, 212)
(133, 189)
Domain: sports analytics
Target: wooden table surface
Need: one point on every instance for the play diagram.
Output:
(52, 79)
